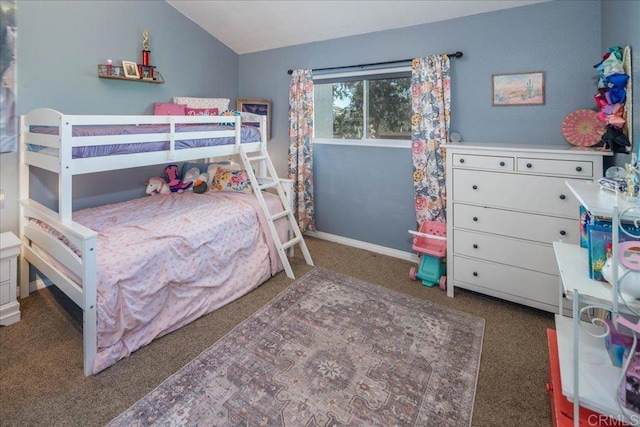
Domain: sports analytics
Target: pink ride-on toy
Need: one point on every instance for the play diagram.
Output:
(431, 244)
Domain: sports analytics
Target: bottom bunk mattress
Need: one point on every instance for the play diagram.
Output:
(164, 261)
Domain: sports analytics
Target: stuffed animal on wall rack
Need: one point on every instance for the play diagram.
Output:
(157, 185)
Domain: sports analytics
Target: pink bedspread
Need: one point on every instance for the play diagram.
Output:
(164, 261)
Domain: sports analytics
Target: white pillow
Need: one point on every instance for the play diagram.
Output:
(222, 104)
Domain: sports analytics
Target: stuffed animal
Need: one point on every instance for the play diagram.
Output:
(191, 175)
(157, 185)
(200, 184)
(175, 182)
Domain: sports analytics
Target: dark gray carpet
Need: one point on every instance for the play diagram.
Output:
(42, 384)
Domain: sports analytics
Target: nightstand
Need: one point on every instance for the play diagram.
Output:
(9, 251)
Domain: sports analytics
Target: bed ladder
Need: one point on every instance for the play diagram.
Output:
(272, 181)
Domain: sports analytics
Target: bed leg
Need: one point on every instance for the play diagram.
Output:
(89, 338)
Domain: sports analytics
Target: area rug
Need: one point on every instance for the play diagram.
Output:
(330, 350)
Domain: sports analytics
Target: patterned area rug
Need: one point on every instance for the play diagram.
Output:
(330, 350)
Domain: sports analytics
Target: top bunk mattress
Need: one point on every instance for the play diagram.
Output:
(247, 134)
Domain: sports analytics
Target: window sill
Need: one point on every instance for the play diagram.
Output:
(384, 143)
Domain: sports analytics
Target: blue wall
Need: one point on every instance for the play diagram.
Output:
(60, 44)
(366, 193)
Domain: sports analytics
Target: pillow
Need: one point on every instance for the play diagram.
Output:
(169, 109)
(231, 180)
(222, 104)
(204, 167)
(200, 111)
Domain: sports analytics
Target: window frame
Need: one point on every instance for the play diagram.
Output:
(363, 142)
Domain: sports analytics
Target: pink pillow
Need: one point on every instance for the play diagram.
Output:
(201, 111)
(169, 109)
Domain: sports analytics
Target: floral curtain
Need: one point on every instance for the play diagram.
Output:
(300, 152)
(8, 45)
(431, 105)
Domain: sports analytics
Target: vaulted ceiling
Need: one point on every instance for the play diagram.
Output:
(248, 26)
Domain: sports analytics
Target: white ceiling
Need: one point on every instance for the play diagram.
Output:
(248, 26)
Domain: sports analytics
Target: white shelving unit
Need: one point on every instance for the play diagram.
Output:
(588, 378)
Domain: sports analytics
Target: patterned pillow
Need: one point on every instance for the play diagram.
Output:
(207, 167)
(231, 180)
(222, 104)
(169, 109)
(201, 111)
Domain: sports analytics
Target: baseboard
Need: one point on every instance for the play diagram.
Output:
(395, 253)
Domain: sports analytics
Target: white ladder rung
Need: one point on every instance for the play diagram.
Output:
(256, 158)
(280, 215)
(267, 184)
(287, 245)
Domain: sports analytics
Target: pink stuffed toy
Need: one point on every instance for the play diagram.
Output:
(175, 182)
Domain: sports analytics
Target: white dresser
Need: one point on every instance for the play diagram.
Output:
(9, 251)
(506, 204)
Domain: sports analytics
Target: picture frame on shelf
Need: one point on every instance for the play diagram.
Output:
(261, 107)
(130, 70)
(515, 89)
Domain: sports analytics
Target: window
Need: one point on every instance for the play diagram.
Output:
(363, 107)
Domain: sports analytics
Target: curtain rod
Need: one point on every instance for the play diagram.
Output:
(450, 55)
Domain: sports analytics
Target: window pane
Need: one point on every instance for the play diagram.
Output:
(389, 109)
(339, 108)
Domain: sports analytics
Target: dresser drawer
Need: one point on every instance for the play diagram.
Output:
(538, 194)
(539, 228)
(509, 280)
(5, 270)
(483, 162)
(518, 253)
(576, 168)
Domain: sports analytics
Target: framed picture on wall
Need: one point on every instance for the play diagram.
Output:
(256, 106)
(130, 69)
(514, 89)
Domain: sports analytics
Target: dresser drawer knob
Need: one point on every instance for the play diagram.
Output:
(502, 163)
(562, 197)
(475, 219)
(475, 246)
(562, 232)
(461, 160)
(475, 187)
(529, 165)
(579, 169)
(475, 274)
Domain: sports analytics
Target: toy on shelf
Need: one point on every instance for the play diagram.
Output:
(431, 244)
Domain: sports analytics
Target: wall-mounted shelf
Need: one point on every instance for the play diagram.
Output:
(117, 73)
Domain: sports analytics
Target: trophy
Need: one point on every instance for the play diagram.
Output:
(145, 47)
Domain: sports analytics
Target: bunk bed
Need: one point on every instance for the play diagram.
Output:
(142, 268)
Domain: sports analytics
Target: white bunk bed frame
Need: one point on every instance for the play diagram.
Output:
(65, 166)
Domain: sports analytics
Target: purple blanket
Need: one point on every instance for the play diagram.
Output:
(248, 134)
